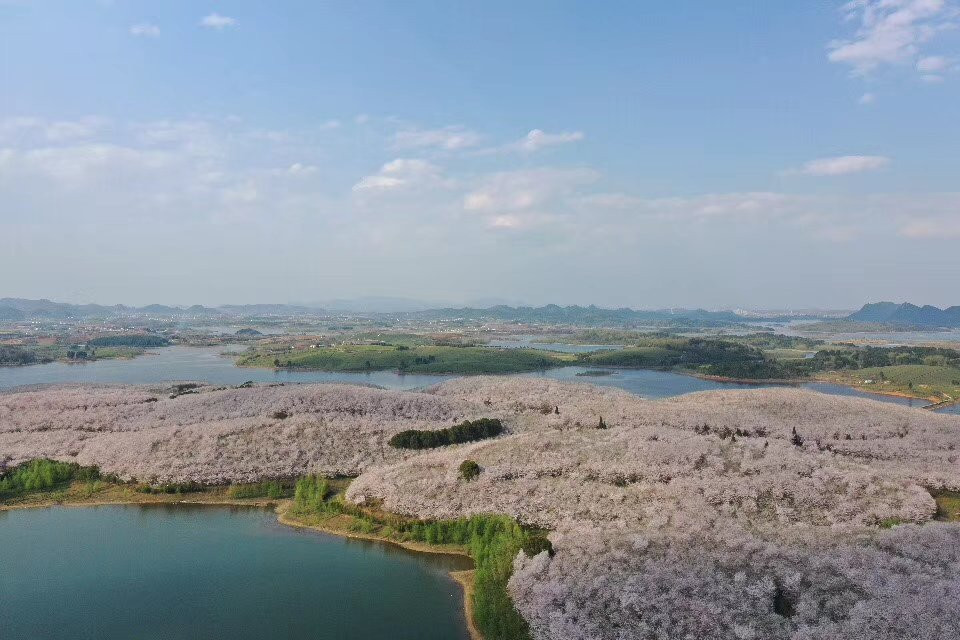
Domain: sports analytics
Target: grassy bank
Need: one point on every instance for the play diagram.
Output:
(933, 383)
(428, 359)
(43, 483)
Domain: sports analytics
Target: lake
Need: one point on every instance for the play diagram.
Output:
(205, 364)
(664, 384)
(178, 572)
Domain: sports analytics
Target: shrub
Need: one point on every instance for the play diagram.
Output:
(43, 474)
(171, 488)
(273, 489)
(469, 470)
(466, 431)
(311, 493)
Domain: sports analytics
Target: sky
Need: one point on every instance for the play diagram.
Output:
(748, 153)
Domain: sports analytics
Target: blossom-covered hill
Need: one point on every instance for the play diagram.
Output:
(760, 514)
(217, 435)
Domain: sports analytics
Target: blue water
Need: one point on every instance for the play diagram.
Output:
(955, 410)
(185, 573)
(664, 384)
(203, 364)
(642, 382)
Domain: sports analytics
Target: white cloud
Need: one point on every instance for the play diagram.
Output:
(217, 21)
(25, 129)
(538, 139)
(145, 30)
(720, 206)
(300, 169)
(525, 190)
(841, 165)
(890, 32)
(399, 173)
(449, 138)
(932, 64)
(867, 98)
(78, 165)
(534, 141)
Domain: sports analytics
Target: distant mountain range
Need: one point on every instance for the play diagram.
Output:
(591, 315)
(22, 309)
(14, 309)
(907, 314)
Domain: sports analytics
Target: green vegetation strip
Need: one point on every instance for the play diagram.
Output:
(415, 359)
(492, 542)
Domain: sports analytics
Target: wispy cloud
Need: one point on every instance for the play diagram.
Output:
(840, 165)
(712, 206)
(145, 30)
(25, 129)
(867, 98)
(449, 138)
(217, 21)
(397, 174)
(538, 139)
(890, 32)
(526, 198)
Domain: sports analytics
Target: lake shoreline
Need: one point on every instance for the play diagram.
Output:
(464, 578)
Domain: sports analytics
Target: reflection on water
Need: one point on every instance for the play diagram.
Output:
(177, 572)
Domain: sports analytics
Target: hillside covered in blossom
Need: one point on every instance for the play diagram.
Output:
(760, 514)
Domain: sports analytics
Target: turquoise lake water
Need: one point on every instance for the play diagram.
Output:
(181, 572)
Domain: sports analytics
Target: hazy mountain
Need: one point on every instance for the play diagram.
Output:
(378, 304)
(266, 309)
(591, 315)
(11, 313)
(907, 314)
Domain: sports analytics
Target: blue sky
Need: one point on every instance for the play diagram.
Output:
(711, 154)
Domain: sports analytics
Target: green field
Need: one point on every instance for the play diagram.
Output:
(414, 359)
(938, 383)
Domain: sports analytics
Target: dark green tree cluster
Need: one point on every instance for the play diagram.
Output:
(139, 340)
(273, 489)
(466, 431)
(171, 488)
(708, 356)
(41, 475)
(469, 470)
(19, 356)
(866, 357)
